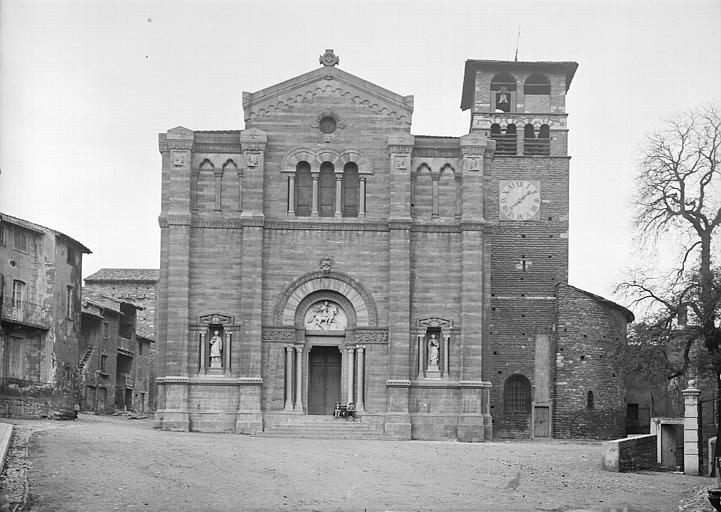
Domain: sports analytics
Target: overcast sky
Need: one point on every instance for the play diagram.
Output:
(85, 88)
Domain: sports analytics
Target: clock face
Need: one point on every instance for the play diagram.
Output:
(519, 200)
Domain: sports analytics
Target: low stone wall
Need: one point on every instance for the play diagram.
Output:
(630, 454)
(6, 432)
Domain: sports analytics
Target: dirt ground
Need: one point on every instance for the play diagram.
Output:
(114, 463)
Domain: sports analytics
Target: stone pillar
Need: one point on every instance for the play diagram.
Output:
(362, 198)
(240, 190)
(218, 189)
(421, 351)
(194, 175)
(338, 194)
(446, 357)
(691, 429)
(203, 364)
(435, 180)
(288, 377)
(291, 195)
(298, 378)
(360, 400)
(350, 351)
(226, 353)
(314, 208)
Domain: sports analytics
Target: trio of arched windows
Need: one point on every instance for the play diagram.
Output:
(327, 193)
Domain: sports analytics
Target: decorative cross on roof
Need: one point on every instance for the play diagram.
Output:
(329, 59)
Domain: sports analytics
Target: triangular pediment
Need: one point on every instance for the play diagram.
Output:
(327, 81)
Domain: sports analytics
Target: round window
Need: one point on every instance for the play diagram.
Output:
(327, 125)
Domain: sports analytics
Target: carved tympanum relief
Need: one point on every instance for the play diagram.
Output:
(325, 316)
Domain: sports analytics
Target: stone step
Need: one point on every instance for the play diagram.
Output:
(322, 428)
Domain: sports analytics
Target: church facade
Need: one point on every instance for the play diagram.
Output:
(326, 255)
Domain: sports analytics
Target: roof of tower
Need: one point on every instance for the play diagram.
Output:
(473, 65)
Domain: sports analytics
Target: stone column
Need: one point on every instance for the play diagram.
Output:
(226, 353)
(691, 429)
(360, 400)
(194, 175)
(420, 356)
(350, 351)
(240, 190)
(446, 348)
(314, 208)
(218, 190)
(291, 195)
(362, 198)
(338, 194)
(203, 363)
(435, 180)
(298, 378)
(288, 377)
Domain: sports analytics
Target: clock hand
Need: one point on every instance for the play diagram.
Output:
(520, 199)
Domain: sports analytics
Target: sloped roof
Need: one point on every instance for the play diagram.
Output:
(125, 275)
(40, 229)
(626, 312)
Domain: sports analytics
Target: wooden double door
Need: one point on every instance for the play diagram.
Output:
(324, 379)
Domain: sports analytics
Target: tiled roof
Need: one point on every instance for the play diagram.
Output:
(101, 300)
(625, 311)
(41, 230)
(137, 275)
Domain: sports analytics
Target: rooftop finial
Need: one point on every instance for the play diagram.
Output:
(329, 58)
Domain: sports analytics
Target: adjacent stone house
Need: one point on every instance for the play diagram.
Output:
(136, 368)
(325, 254)
(40, 287)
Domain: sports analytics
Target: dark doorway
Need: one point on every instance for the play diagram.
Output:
(324, 383)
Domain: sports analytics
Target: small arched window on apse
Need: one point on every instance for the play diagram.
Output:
(503, 93)
(351, 188)
(590, 403)
(303, 190)
(517, 394)
(326, 190)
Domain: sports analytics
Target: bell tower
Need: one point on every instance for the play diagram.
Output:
(522, 107)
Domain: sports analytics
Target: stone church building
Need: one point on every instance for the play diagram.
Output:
(326, 254)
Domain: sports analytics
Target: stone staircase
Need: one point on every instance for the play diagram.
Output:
(325, 427)
(84, 360)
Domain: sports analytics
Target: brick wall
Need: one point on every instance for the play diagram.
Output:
(630, 454)
(587, 333)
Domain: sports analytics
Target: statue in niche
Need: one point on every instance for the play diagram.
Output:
(433, 352)
(323, 317)
(216, 350)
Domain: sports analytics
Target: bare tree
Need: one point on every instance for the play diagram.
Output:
(678, 211)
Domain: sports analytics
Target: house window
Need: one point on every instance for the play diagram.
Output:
(21, 240)
(350, 190)
(303, 190)
(590, 400)
(71, 256)
(106, 329)
(140, 348)
(326, 186)
(69, 302)
(103, 364)
(18, 293)
(517, 394)
(2, 234)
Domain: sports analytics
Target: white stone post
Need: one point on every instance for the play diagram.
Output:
(446, 348)
(690, 429)
(351, 351)
(362, 198)
(338, 193)
(298, 378)
(291, 196)
(314, 209)
(360, 405)
(288, 377)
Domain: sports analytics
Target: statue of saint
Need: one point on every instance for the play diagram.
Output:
(216, 350)
(433, 352)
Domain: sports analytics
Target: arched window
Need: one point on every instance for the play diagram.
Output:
(505, 142)
(350, 190)
(326, 190)
(303, 190)
(529, 132)
(590, 400)
(537, 84)
(544, 140)
(503, 93)
(517, 394)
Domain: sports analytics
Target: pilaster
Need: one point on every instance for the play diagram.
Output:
(691, 462)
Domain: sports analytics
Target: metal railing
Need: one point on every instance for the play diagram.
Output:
(24, 312)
